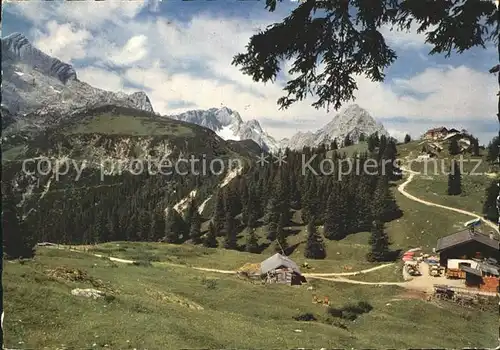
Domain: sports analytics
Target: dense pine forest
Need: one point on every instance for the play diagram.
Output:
(141, 207)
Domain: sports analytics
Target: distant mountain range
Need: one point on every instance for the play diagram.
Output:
(229, 126)
(40, 90)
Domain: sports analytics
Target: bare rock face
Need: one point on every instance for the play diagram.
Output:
(353, 121)
(229, 126)
(88, 293)
(33, 81)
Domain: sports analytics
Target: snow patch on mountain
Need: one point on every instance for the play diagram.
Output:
(227, 133)
(229, 126)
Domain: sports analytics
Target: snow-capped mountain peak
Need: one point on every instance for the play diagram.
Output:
(229, 125)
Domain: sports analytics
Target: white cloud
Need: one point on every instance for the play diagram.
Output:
(405, 39)
(134, 50)
(156, 54)
(62, 41)
(103, 79)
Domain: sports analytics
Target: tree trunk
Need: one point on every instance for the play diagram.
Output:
(497, 70)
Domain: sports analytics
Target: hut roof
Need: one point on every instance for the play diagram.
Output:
(465, 236)
(278, 260)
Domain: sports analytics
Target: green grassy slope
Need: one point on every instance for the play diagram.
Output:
(151, 310)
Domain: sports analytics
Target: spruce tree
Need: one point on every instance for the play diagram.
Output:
(493, 150)
(454, 180)
(157, 229)
(333, 145)
(219, 213)
(190, 210)
(475, 147)
(371, 143)
(379, 242)
(210, 239)
(253, 208)
(384, 205)
(252, 244)
(347, 141)
(453, 147)
(490, 206)
(315, 247)
(272, 230)
(172, 227)
(195, 228)
(407, 138)
(18, 241)
(334, 225)
(230, 239)
(281, 241)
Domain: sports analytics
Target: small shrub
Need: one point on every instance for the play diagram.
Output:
(209, 283)
(350, 311)
(334, 312)
(109, 298)
(305, 317)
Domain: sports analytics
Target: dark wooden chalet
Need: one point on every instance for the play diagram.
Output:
(467, 245)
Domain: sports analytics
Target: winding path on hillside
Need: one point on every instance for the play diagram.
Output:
(402, 190)
(227, 272)
(352, 273)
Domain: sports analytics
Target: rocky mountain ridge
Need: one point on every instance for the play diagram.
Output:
(353, 121)
(229, 125)
(34, 82)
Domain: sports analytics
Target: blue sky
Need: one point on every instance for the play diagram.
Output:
(180, 53)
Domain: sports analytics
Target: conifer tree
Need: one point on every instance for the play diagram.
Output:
(18, 241)
(371, 143)
(210, 239)
(493, 150)
(315, 247)
(490, 207)
(475, 147)
(384, 206)
(219, 213)
(333, 145)
(272, 230)
(453, 147)
(347, 141)
(172, 226)
(190, 210)
(454, 180)
(310, 202)
(362, 137)
(407, 138)
(272, 210)
(331, 227)
(253, 208)
(252, 245)
(195, 228)
(230, 239)
(379, 242)
(281, 241)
